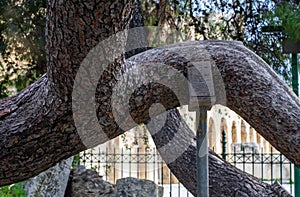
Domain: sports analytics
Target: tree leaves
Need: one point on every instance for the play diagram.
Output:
(226, 20)
(22, 43)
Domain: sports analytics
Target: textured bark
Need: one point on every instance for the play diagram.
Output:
(224, 179)
(37, 126)
(253, 89)
(36, 148)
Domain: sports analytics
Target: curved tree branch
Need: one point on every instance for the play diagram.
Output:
(37, 126)
(224, 179)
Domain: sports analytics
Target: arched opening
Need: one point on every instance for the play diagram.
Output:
(266, 146)
(223, 127)
(211, 134)
(271, 148)
(233, 132)
(259, 141)
(243, 132)
(251, 134)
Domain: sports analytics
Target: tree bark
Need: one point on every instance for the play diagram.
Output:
(38, 127)
(252, 89)
(176, 144)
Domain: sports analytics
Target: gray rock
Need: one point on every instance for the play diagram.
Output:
(52, 182)
(88, 183)
(132, 187)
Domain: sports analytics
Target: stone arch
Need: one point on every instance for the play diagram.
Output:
(223, 127)
(243, 132)
(271, 148)
(233, 132)
(259, 141)
(211, 134)
(251, 134)
(266, 146)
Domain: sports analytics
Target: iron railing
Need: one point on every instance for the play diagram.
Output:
(113, 164)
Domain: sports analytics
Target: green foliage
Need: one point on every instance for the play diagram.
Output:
(15, 190)
(138, 137)
(4, 87)
(22, 44)
(225, 20)
(22, 31)
(76, 161)
(286, 15)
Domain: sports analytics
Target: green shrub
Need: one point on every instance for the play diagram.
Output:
(15, 190)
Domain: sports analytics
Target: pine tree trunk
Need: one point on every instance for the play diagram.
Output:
(38, 127)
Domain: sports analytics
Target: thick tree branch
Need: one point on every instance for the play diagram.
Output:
(177, 145)
(253, 90)
(33, 138)
(38, 127)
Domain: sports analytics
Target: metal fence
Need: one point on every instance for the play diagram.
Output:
(114, 164)
(268, 167)
(119, 163)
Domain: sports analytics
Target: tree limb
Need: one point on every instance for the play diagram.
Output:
(176, 144)
(38, 127)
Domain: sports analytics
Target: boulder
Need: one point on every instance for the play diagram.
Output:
(132, 187)
(88, 183)
(52, 182)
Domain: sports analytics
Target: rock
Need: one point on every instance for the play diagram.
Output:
(88, 183)
(132, 187)
(52, 182)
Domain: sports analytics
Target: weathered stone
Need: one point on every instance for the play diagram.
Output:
(88, 183)
(52, 182)
(127, 187)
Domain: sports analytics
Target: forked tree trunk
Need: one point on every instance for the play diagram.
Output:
(37, 129)
(224, 179)
(39, 126)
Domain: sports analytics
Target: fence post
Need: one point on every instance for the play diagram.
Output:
(224, 142)
(272, 165)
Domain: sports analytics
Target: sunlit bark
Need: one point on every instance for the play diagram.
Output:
(37, 125)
